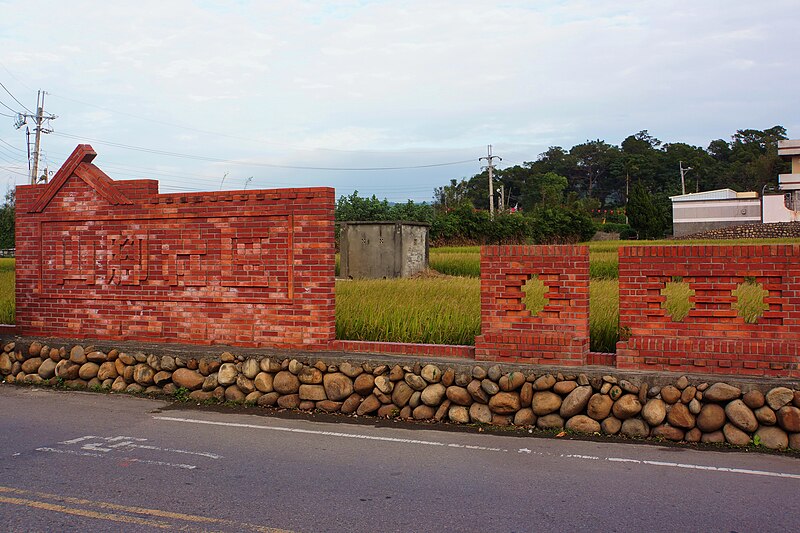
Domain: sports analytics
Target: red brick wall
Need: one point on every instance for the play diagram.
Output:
(559, 334)
(405, 348)
(712, 338)
(116, 260)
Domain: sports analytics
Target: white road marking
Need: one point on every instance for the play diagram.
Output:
(70, 452)
(79, 439)
(90, 445)
(173, 450)
(644, 462)
(327, 433)
(104, 456)
(159, 463)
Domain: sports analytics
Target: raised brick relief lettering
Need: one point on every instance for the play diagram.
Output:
(75, 260)
(126, 260)
(183, 262)
(245, 262)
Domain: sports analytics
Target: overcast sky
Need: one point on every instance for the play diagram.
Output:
(249, 88)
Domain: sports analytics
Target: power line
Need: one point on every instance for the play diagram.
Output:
(259, 164)
(14, 171)
(175, 179)
(8, 153)
(16, 78)
(12, 146)
(15, 98)
(9, 108)
(7, 115)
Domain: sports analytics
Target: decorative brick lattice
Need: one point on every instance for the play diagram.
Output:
(712, 337)
(559, 333)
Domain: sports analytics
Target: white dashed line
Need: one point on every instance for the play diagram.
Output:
(580, 457)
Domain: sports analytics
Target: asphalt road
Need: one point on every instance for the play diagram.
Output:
(88, 462)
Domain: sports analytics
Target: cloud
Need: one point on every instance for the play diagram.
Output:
(283, 80)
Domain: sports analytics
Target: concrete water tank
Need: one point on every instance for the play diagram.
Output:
(382, 249)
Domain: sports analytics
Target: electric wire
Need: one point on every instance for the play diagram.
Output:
(15, 98)
(9, 108)
(13, 171)
(143, 172)
(16, 78)
(260, 164)
(176, 179)
(12, 146)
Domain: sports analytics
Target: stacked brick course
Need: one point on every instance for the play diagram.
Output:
(116, 260)
(559, 334)
(712, 337)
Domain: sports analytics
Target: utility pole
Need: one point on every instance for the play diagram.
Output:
(627, 193)
(683, 171)
(490, 166)
(40, 117)
(502, 190)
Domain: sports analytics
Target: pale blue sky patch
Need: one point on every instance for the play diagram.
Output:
(253, 88)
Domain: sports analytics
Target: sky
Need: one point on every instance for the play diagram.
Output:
(250, 94)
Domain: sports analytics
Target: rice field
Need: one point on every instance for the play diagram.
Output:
(437, 310)
(7, 291)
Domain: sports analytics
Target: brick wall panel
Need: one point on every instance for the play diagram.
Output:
(117, 260)
(713, 338)
(559, 334)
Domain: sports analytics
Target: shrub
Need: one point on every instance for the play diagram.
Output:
(559, 225)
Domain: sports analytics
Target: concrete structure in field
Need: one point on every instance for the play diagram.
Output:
(383, 249)
(785, 206)
(705, 211)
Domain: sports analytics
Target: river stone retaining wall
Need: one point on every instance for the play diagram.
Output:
(670, 407)
(774, 230)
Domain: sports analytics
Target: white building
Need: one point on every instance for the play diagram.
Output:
(704, 211)
(785, 206)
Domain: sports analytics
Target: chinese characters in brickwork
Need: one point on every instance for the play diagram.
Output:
(219, 258)
(75, 261)
(245, 262)
(126, 260)
(183, 263)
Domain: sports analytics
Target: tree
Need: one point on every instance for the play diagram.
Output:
(594, 160)
(452, 195)
(545, 189)
(354, 207)
(644, 216)
(7, 220)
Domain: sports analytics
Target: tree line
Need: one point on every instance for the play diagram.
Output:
(566, 194)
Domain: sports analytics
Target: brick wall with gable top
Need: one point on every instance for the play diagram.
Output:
(712, 337)
(559, 334)
(111, 259)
